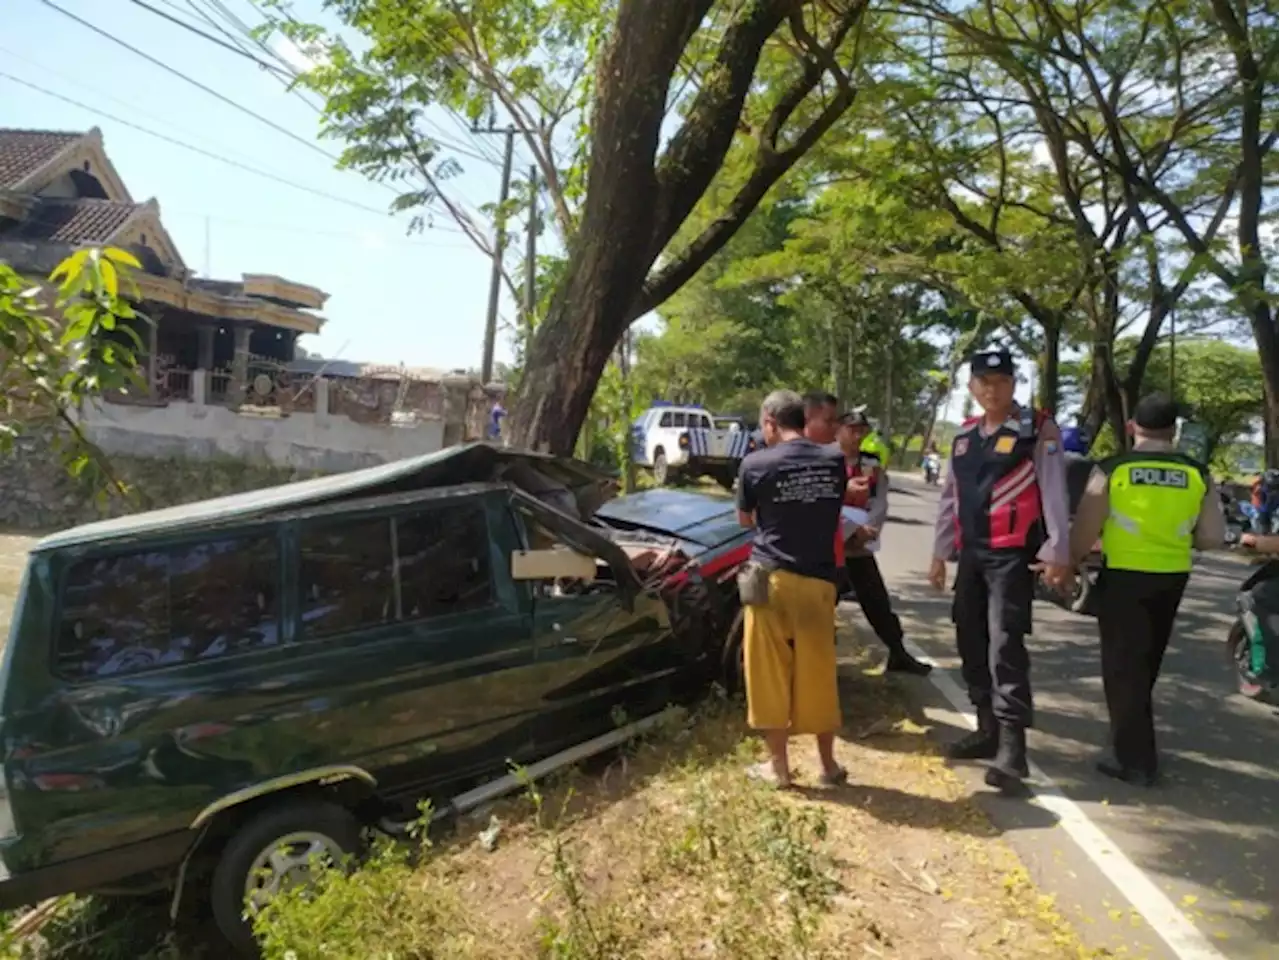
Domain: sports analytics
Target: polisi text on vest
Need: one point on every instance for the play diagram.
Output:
(1158, 477)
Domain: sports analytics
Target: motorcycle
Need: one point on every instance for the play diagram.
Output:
(932, 468)
(1251, 641)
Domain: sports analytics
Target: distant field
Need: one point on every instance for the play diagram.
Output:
(13, 558)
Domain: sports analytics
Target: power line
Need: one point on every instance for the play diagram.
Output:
(238, 51)
(295, 228)
(196, 83)
(187, 146)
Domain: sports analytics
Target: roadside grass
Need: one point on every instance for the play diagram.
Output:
(665, 850)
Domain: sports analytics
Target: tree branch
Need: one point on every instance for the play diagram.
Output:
(770, 165)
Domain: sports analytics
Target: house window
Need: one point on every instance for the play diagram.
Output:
(131, 612)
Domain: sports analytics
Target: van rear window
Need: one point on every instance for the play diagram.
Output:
(130, 612)
(367, 572)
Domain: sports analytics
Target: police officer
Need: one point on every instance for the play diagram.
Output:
(1151, 507)
(1003, 516)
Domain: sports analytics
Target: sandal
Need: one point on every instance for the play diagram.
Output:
(834, 778)
(763, 772)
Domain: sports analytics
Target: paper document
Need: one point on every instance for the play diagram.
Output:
(850, 519)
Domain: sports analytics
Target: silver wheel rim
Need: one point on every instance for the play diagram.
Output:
(285, 864)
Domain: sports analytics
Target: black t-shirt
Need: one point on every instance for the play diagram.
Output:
(795, 489)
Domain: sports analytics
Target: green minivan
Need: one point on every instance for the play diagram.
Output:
(207, 696)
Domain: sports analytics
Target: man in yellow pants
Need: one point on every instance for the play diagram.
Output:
(790, 493)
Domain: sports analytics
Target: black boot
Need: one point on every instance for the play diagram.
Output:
(1009, 768)
(982, 743)
(902, 662)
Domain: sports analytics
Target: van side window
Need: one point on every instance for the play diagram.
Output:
(346, 576)
(667, 420)
(131, 612)
(681, 419)
(443, 563)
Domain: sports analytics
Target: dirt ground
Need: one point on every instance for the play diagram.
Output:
(916, 871)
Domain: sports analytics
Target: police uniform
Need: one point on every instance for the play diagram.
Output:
(1152, 507)
(1003, 507)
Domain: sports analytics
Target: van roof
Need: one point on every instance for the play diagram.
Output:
(453, 465)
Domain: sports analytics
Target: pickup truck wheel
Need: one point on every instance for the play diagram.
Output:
(275, 851)
(661, 469)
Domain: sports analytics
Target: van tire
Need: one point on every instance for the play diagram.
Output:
(328, 822)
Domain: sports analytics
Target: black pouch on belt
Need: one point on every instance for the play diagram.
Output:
(753, 583)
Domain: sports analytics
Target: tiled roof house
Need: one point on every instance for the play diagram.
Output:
(60, 192)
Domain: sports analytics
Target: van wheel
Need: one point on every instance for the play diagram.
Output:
(272, 852)
(661, 470)
(731, 673)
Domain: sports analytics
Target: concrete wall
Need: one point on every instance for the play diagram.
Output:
(299, 441)
(37, 493)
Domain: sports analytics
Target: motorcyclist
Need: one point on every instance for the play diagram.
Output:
(1262, 502)
(1262, 663)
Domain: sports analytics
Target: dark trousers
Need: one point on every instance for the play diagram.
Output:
(1135, 620)
(992, 614)
(873, 597)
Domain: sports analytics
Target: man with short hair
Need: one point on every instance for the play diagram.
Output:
(1003, 515)
(1151, 506)
(791, 493)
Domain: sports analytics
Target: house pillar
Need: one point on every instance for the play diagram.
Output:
(240, 362)
(153, 346)
(204, 346)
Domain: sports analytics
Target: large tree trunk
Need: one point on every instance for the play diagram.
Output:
(636, 203)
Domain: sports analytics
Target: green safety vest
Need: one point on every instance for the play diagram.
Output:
(874, 446)
(1155, 501)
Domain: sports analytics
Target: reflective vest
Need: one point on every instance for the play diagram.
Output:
(1154, 504)
(997, 495)
(873, 446)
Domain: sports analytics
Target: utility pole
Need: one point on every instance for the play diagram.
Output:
(531, 257)
(208, 244)
(499, 244)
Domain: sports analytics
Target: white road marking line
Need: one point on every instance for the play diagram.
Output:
(1183, 937)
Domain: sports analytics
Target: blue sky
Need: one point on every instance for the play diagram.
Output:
(419, 300)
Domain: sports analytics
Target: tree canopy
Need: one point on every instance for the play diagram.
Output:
(843, 190)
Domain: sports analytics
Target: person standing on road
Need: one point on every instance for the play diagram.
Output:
(1152, 506)
(791, 493)
(1003, 516)
(860, 563)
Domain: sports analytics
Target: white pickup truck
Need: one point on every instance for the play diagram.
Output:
(677, 442)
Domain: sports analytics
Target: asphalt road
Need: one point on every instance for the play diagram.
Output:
(1207, 836)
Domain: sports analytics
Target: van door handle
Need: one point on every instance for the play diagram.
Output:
(558, 629)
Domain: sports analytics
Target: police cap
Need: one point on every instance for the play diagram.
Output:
(991, 361)
(854, 418)
(1156, 411)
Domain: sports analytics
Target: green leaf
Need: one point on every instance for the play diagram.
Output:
(123, 257)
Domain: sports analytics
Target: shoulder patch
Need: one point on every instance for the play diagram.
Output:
(961, 447)
(1051, 447)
